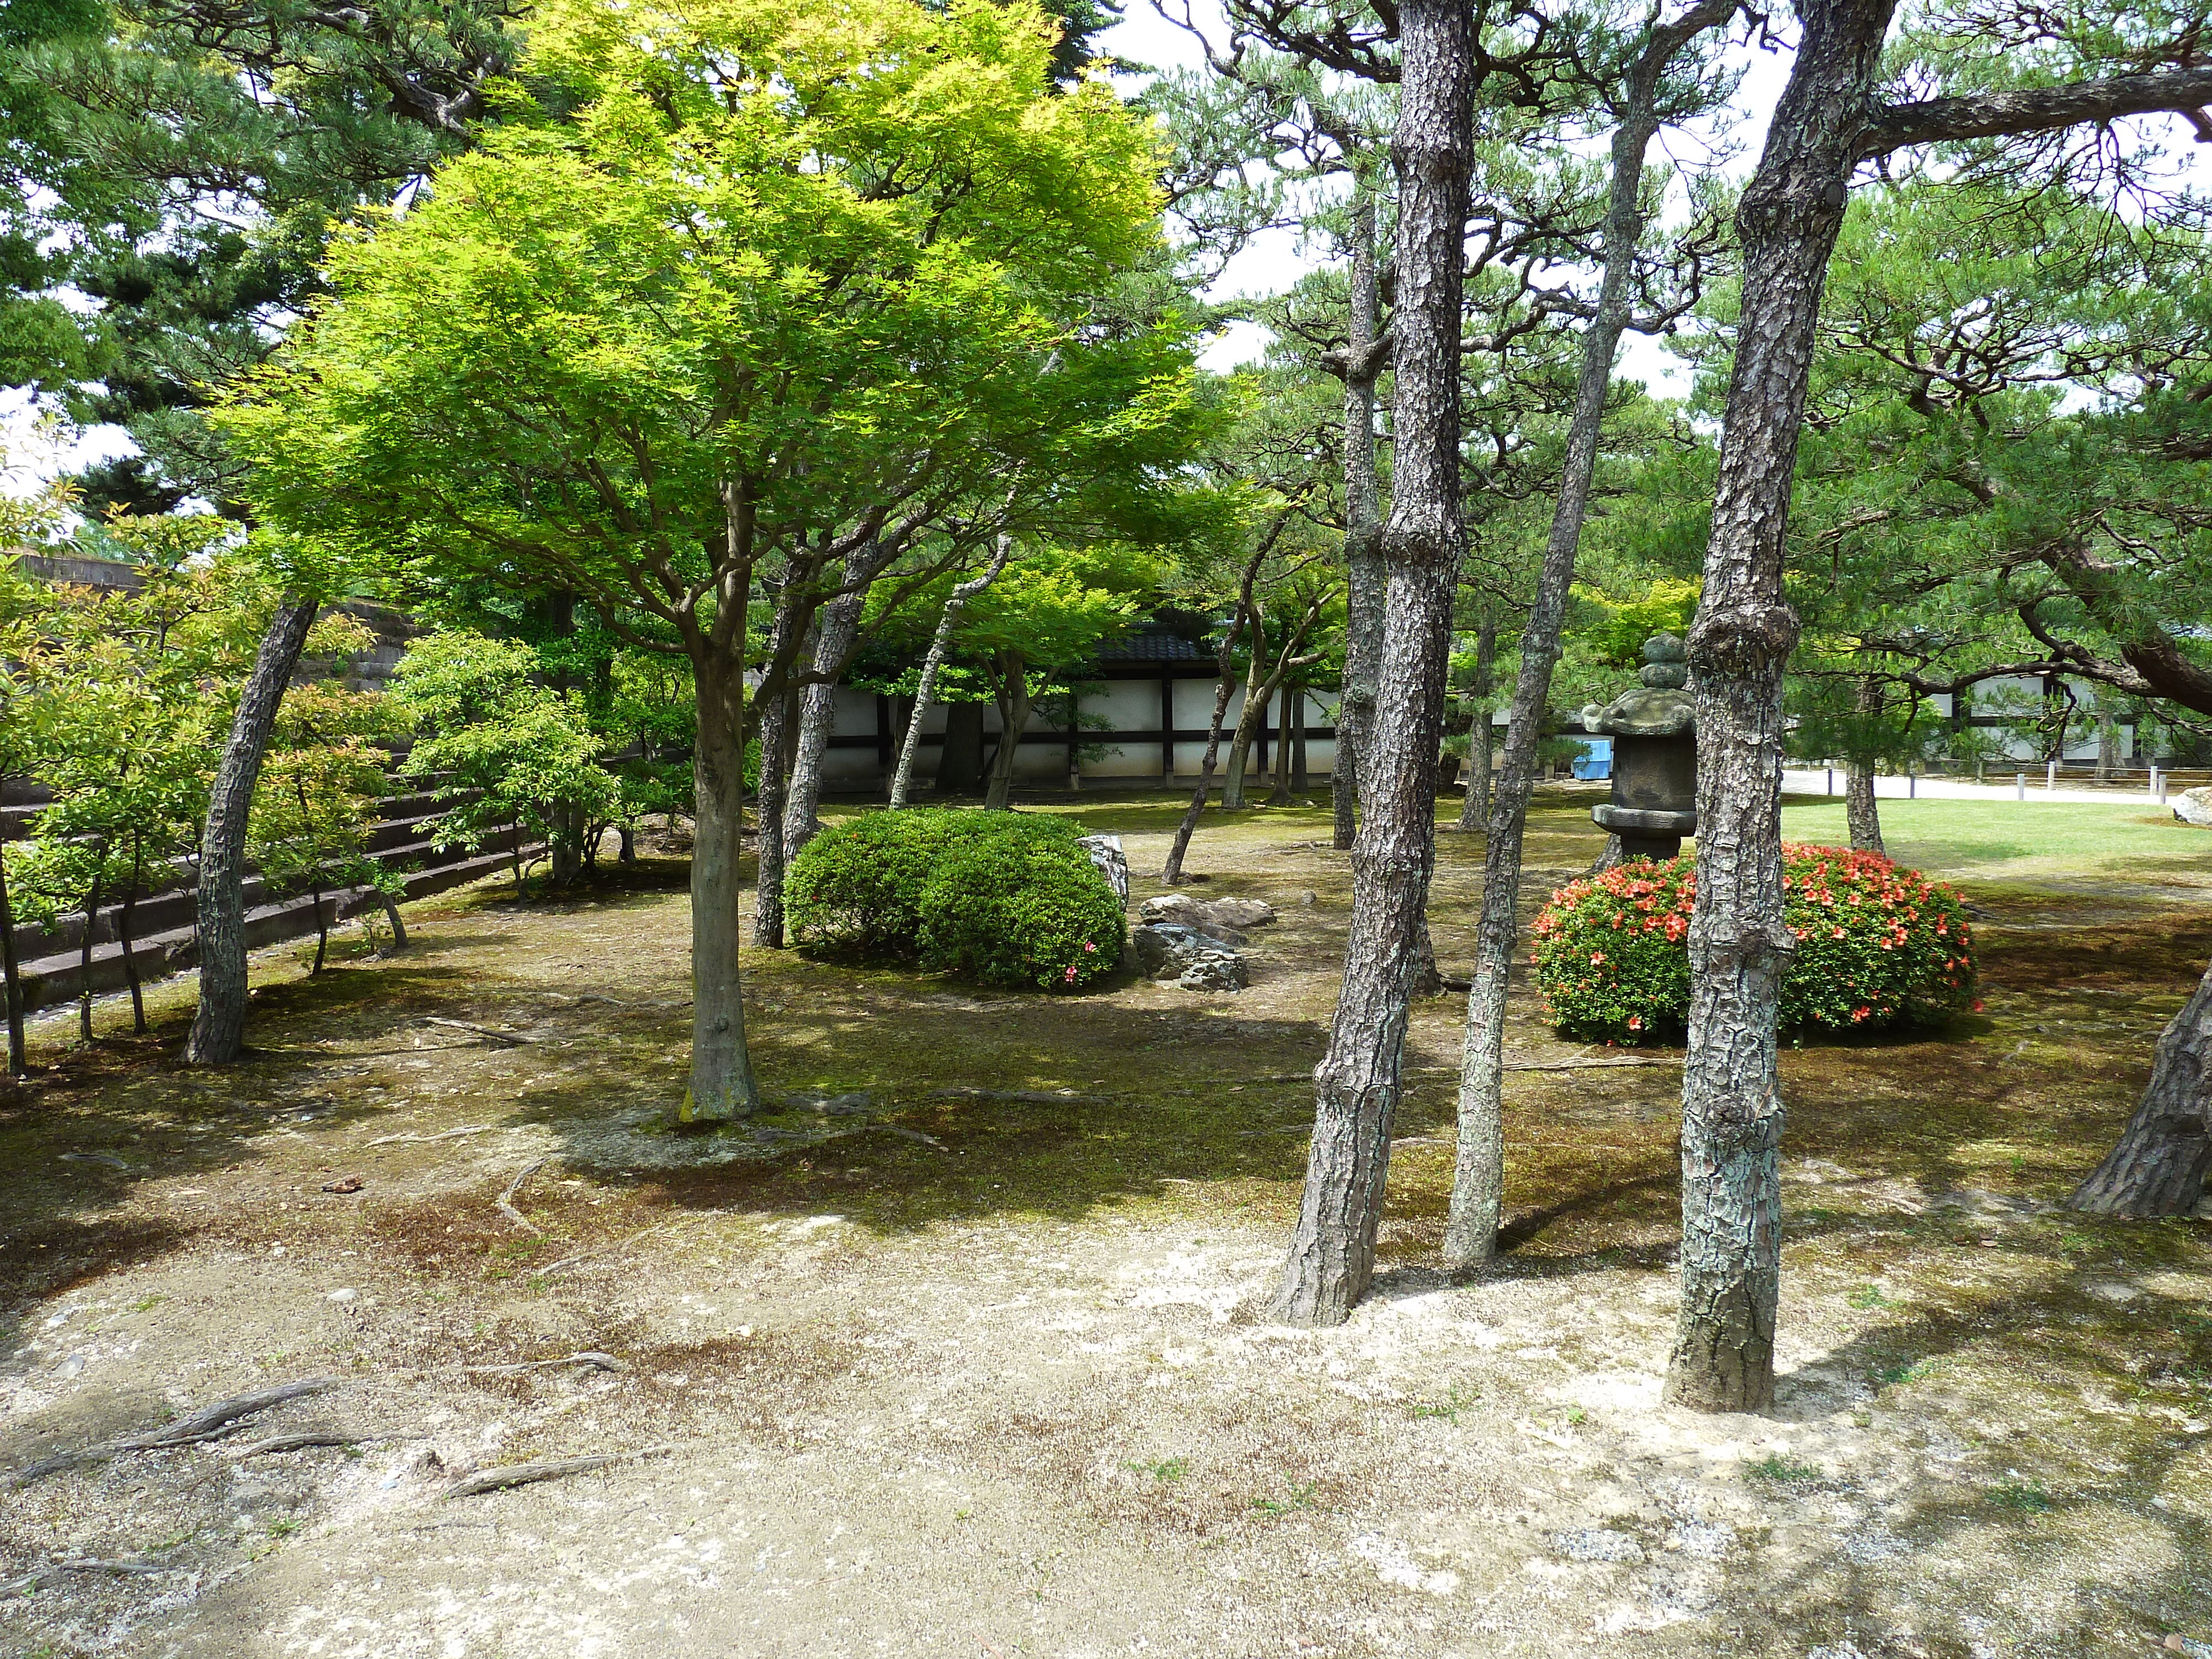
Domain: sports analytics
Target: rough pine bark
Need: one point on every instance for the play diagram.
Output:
(2158, 1166)
(925, 690)
(1479, 1162)
(1331, 1258)
(1364, 355)
(1740, 644)
(1862, 814)
(721, 1084)
(218, 1033)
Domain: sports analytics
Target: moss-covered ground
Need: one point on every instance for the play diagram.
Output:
(960, 1347)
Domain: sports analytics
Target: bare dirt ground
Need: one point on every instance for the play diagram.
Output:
(962, 1350)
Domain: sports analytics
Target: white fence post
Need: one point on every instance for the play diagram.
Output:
(2050, 775)
(2020, 785)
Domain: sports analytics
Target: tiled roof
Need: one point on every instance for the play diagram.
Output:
(1151, 644)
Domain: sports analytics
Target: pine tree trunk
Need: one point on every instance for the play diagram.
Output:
(1331, 1258)
(1861, 815)
(721, 1085)
(1478, 1167)
(1740, 646)
(1362, 518)
(2158, 1165)
(1482, 738)
(18, 1063)
(1240, 747)
(924, 689)
(218, 1033)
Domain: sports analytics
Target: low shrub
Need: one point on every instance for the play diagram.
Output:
(1877, 947)
(1005, 898)
(1022, 911)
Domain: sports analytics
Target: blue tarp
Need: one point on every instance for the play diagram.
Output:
(1596, 762)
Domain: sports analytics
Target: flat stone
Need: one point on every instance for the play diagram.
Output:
(2194, 807)
(1225, 919)
(342, 1295)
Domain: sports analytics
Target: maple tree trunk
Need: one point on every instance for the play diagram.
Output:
(1331, 1258)
(18, 1064)
(1012, 695)
(218, 1033)
(721, 1084)
(940, 643)
(84, 964)
(1362, 520)
(817, 713)
(1171, 872)
(124, 931)
(767, 881)
(1740, 644)
(2158, 1166)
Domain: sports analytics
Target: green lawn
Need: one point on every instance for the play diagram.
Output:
(2004, 841)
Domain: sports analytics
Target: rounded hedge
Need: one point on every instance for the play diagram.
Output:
(1003, 898)
(1877, 947)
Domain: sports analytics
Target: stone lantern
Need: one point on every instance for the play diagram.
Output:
(1655, 756)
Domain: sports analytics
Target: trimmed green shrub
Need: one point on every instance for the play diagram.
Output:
(1877, 947)
(1005, 898)
(1022, 911)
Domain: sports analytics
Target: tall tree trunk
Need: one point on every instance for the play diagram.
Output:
(1363, 354)
(1291, 780)
(1171, 872)
(839, 626)
(1257, 695)
(18, 1064)
(2158, 1165)
(767, 881)
(1332, 1251)
(84, 963)
(1478, 1167)
(218, 1033)
(721, 1085)
(1481, 736)
(925, 690)
(2108, 743)
(1012, 694)
(1740, 646)
(1861, 815)
(124, 932)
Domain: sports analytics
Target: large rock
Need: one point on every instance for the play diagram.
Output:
(1225, 919)
(1105, 852)
(2194, 807)
(1165, 949)
(1214, 971)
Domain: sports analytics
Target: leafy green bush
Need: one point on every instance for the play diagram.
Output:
(1005, 898)
(1022, 910)
(1877, 947)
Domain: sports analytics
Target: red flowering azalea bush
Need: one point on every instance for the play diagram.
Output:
(1877, 947)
